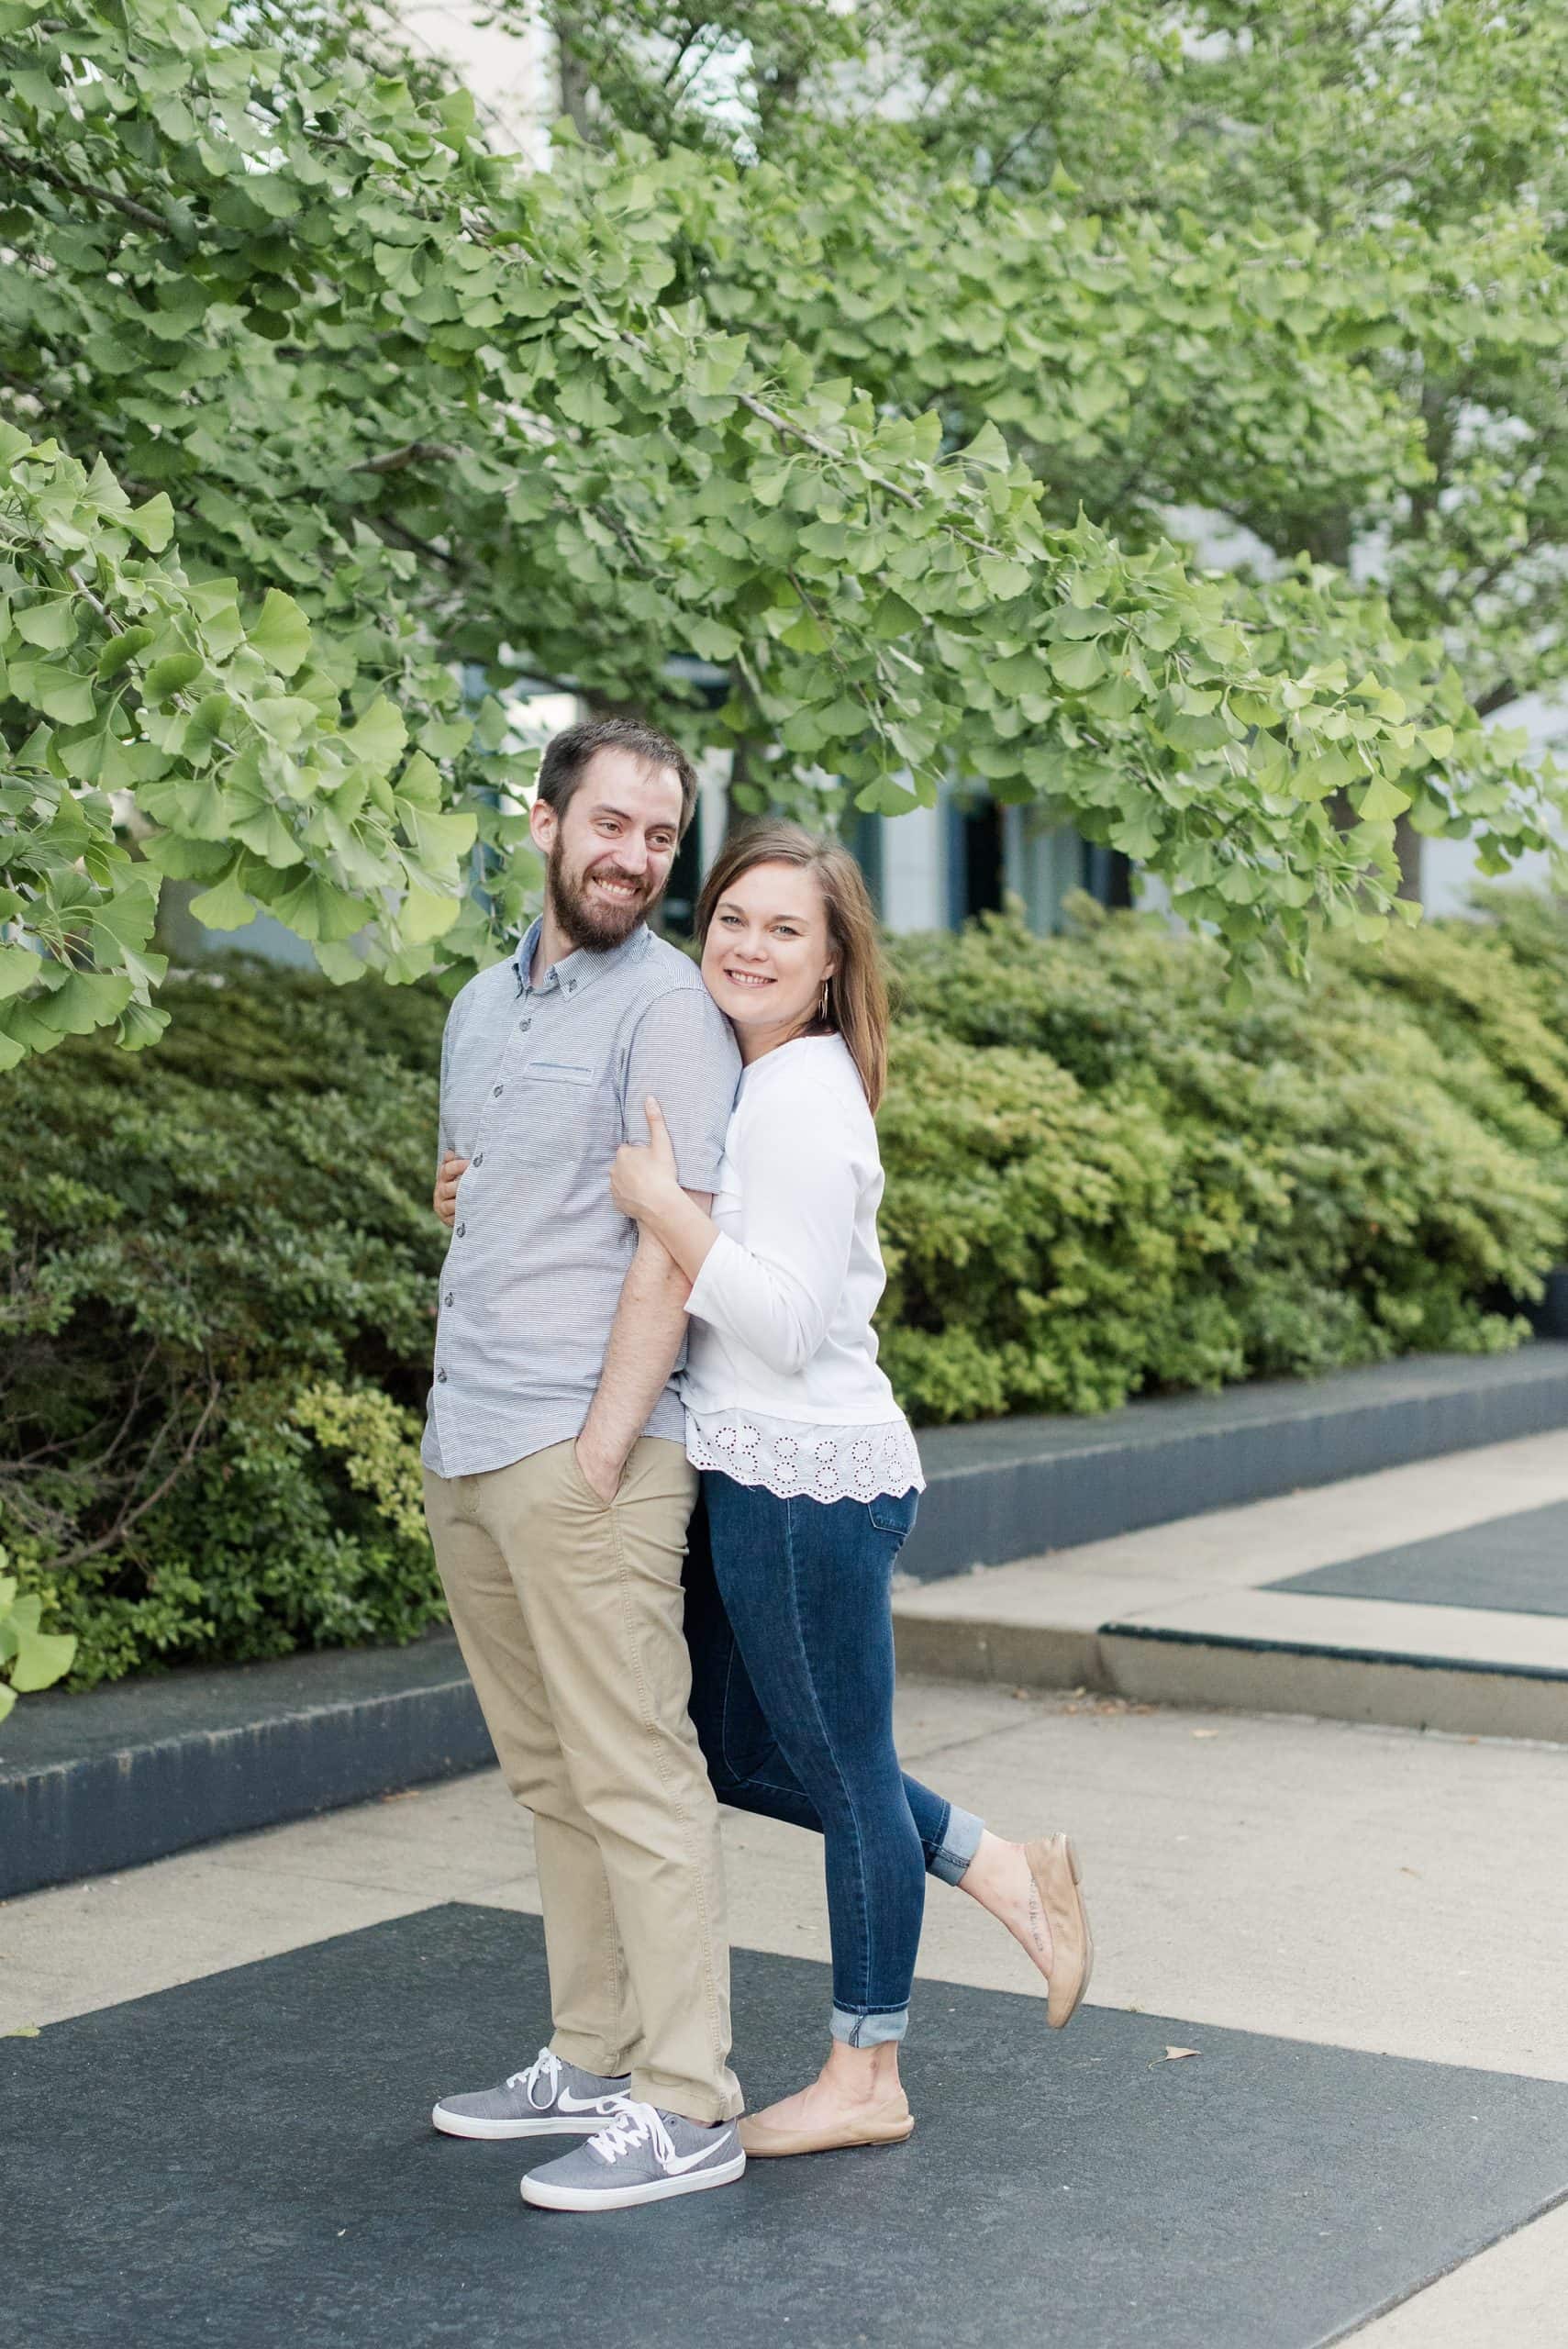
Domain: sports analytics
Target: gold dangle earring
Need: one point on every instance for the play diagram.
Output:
(822, 1015)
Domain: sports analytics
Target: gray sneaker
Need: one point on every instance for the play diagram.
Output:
(640, 2155)
(550, 2100)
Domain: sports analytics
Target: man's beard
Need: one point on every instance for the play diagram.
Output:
(592, 922)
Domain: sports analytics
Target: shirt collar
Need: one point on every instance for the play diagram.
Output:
(582, 966)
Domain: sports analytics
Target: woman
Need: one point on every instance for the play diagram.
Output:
(810, 1477)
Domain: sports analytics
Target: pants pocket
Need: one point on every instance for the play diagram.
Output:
(577, 1482)
(894, 1513)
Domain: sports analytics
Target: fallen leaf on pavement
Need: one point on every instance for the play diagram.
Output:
(22, 2030)
(1174, 2055)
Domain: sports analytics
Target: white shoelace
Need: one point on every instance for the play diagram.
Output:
(633, 2124)
(545, 2066)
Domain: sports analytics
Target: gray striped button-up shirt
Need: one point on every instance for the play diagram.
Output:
(539, 1088)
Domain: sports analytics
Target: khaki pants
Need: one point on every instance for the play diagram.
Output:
(568, 1613)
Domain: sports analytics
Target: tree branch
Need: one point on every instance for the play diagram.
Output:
(623, 539)
(416, 545)
(129, 1517)
(115, 627)
(412, 452)
(686, 39)
(30, 167)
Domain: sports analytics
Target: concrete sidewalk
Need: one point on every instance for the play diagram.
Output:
(1433, 1595)
(1334, 1886)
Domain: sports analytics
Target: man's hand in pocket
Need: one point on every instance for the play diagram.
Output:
(601, 1474)
(445, 1199)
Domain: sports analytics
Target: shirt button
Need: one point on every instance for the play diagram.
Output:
(460, 1229)
(450, 1295)
(523, 1027)
(496, 1091)
(441, 1378)
(570, 987)
(478, 1158)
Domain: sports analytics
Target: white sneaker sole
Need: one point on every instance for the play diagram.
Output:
(621, 2197)
(463, 2124)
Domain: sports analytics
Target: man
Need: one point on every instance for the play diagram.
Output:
(557, 1486)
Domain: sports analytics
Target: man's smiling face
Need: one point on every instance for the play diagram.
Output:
(608, 853)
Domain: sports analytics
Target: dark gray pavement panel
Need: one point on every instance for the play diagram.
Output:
(248, 2160)
(1516, 1566)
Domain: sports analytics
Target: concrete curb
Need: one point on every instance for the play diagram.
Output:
(1228, 1673)
(128, 1774)
(107, 1780)
(1013, 1488)
(1334, 1683)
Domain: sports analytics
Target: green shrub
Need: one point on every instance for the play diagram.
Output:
(1032, 1236)
(217, 1322)
(1533, 926)
(220, 1259)
(1104, 1182)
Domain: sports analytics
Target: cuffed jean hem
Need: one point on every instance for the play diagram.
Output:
(961, 1841)
(869, 2031)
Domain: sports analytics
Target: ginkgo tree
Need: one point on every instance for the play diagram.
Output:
(1300, 264)
(313, 400)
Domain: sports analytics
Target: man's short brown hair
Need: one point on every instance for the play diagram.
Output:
(567, 756)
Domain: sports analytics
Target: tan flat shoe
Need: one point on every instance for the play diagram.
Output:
(885, 2124)
(1054, 1863)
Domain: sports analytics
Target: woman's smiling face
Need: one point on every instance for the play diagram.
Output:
(767, 954)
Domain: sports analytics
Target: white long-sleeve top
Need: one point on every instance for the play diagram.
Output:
(781, 1384)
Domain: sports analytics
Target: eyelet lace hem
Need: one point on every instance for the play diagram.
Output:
(791, 1459)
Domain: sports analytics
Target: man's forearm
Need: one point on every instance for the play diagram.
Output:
(645, 1339)
(684, 1228)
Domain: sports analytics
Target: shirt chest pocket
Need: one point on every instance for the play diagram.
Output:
(562, 1117)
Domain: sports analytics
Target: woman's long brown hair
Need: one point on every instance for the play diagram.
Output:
(857, 992)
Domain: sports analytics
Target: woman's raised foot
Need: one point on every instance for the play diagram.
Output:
(1032, 1888)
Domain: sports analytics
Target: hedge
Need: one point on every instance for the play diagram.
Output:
(222, 1264)
(1102, 1182)
(221, 1258)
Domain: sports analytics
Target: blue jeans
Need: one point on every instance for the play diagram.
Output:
(790, 1626)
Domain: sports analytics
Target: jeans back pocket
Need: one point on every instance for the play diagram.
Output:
(894, 1512)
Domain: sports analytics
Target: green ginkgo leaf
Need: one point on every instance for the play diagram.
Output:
(280, 632)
